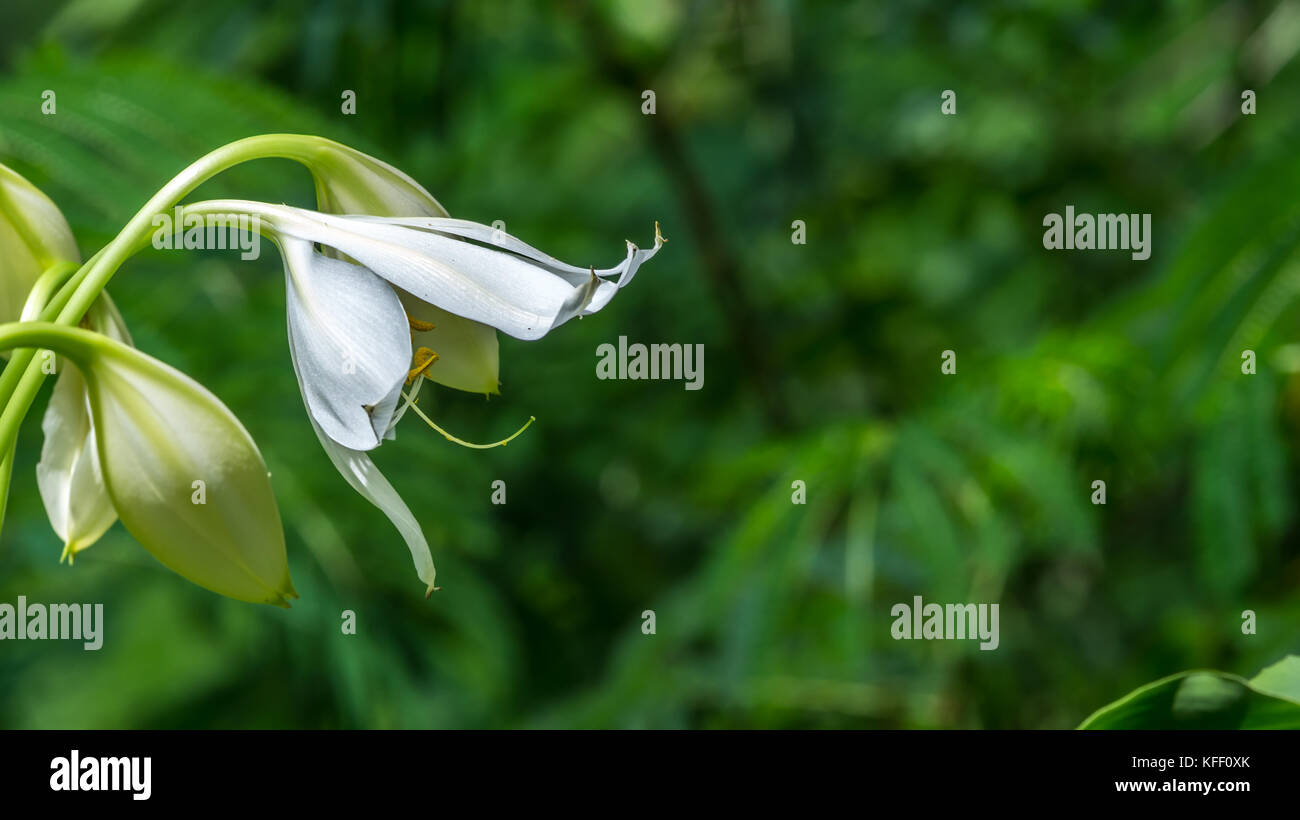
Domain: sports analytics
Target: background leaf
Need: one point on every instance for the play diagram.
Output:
(1209, 700)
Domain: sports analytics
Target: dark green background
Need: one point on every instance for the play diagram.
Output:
(822, 360)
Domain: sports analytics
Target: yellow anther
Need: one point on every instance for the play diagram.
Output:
(424, 358)
(419, 326)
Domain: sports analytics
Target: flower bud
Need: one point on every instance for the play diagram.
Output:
(33, 236)
(350, 182)
(183, 474)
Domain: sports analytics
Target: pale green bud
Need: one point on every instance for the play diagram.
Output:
(33, 237)
(350, 182)
(183, 474)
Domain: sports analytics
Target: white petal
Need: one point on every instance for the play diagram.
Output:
(524, 297)
(359, 471)
(486, 234)
(577, 276)
(351, 344)
(68, 475)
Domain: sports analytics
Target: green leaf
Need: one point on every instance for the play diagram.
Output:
(1209, 700)
(1282, 679)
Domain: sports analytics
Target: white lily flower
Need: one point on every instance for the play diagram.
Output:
(457, 283)
(350, 182)
(351, 334)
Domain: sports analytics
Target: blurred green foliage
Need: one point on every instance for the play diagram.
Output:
(923, 234)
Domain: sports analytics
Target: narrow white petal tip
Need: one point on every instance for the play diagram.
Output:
(659, 243)
(360, 472)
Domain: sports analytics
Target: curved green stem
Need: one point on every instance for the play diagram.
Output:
(96, 275)
(42, 302)
(46, 287)
(6, 473)
(73, 342)
(85, 286)
(37, 300)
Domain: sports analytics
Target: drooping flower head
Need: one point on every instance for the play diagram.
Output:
(385, 291)
(353, 319)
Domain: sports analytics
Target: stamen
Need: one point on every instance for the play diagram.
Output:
(401, 410)
(424, 358)
(503, 442)
(417, 325)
